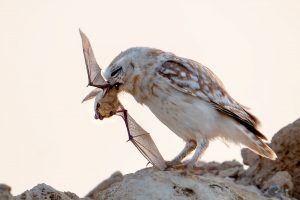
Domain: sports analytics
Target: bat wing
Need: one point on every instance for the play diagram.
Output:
(92, 67)
(141, 139)
(144, 143)
(92, 94)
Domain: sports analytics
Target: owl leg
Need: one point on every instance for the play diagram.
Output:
(202, 145)
(188, 148)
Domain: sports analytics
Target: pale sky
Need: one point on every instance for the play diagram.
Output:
(48, 136)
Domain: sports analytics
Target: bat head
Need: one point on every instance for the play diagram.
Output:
(97, 106)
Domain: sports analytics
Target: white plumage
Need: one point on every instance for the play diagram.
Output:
(188, 98)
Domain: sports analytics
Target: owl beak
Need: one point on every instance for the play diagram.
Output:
(104, 86)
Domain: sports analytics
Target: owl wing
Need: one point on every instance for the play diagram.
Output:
(197, 80)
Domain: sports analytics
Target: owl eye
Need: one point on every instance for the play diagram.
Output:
(116, 71)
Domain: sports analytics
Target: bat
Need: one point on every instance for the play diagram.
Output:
(107, 104)
(92, 67)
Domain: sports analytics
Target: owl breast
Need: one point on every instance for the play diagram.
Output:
(187, 116)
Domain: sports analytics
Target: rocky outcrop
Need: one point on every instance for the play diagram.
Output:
(5, 192)
(154, 184)
(283, 172)
(151, 183)
(104, 185)
(264, 179)
(46, 192)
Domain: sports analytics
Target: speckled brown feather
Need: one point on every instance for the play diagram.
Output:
(188, 98)
(195, 79)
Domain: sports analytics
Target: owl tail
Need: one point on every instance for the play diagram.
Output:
(258, 146)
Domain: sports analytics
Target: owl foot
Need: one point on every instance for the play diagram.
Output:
(184, 169)
(173, 163)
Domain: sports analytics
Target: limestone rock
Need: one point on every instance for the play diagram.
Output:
(282, 179)
(153, 184)
(286, 144)
(225, 169)
(231, 172)
(230, 164)
(114, 178)
(45, 192)
(5, 192)
(249, 158)
(210, 168)
(264, 179)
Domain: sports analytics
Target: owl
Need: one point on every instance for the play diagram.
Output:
(188, 98)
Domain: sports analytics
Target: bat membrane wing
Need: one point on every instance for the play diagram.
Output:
(144, 143)
(92, 94)
(140, 138)
(92, 67)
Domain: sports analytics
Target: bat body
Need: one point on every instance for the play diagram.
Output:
(107, 104)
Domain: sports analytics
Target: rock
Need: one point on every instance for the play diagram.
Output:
(277, 192)
(5, 192)
(286, 144)
(226, 169)
(249, 158)
(153, 184)
(45, 192)
(5, 188)
(230, 169)
(115, 177)
(210, 168)
(231, 172)
(282, 179)
(264, 179)
(230, 164)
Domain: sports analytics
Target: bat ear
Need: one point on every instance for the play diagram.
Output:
(92, 94)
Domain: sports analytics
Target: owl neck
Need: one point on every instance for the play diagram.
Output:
(139, 84)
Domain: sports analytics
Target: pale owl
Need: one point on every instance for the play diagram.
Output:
(188, 98)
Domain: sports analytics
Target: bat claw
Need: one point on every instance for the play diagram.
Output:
(148, 163)
(130, 138)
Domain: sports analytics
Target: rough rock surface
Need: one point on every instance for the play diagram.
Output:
(114, 178)
(264, 179)
(153, 184)
(150, 184)
(285, 171)
(5, 192)
(45, 192)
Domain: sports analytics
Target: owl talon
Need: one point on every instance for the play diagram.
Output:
(172, 163)
(178, 166)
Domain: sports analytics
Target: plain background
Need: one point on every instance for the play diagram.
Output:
(48, 136)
